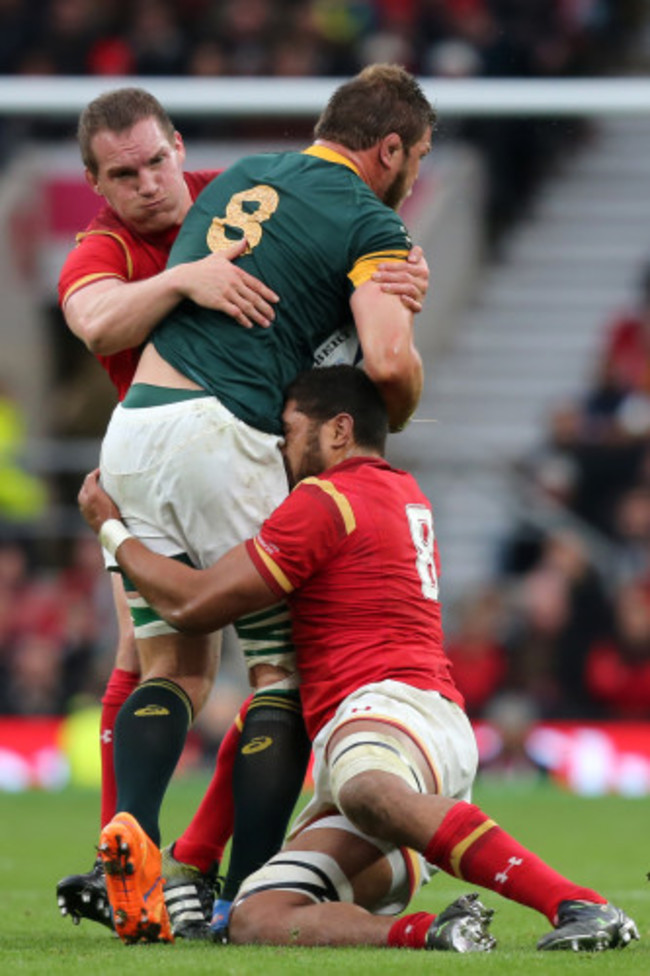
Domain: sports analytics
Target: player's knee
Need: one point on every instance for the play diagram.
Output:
(362, 801)
(263, 918)
(198, 688)
(246, 922)
(369, 774)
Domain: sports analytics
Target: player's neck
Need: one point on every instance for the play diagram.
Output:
(363, 160)
(353, 451)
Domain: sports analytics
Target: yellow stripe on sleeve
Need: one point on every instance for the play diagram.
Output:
(273, 568)
(339, 500)
(116, 237)
(365, 267)
(88, 279)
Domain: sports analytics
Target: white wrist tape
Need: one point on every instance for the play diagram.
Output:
(112, 534)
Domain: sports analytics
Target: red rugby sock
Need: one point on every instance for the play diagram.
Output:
(410, 931)
(471, 846)
(120, 685)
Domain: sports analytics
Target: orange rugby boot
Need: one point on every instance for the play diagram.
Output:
(132, 866)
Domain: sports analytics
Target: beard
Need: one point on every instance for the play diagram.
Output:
(311, 461)
(397, 192)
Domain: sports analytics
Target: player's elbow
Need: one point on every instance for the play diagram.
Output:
(399, 375)
(99, 338)
(182, 617)
(386, 370)
(95, 329)
(192, 616)
(93, 335)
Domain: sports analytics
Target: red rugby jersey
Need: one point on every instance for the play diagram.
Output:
(108, 249)
(355, 554)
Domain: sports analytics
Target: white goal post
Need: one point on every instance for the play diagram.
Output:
(64, 97)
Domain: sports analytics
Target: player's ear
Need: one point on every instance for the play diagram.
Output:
(179, 146)
(342, 430)
(390, 149)
(91, 180)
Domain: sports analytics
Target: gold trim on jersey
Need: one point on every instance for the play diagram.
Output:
(364, 267)
(273, 568)
(339, 500)
(87, 279)
(331, 156)
(98, 275)
(116, 237)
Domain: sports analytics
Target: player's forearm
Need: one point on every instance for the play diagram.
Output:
(112, 315)
(401, 389)
(196, 601)
(167, 585)
(391, 360)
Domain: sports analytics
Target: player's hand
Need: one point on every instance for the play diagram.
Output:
(96, 506)
(408, 279)
(215, 282)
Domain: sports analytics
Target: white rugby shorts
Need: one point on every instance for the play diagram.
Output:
(440, 728)
(193, 480)
(190, 477)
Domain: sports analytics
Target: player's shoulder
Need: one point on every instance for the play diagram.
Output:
(328, 503)
(198, 179)
(107, 220)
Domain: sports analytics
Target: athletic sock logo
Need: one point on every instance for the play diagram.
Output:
(502, 876)
(150, 710)
(258, 744)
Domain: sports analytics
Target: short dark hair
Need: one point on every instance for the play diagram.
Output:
(117, 111)
(325, 392)
(381, 99)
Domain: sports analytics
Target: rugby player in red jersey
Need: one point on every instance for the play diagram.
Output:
(353, 551)
(113, 289)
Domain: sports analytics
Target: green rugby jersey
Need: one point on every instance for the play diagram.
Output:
(315, 232)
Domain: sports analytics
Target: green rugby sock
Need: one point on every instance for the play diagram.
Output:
(268, 775)
(150, 733)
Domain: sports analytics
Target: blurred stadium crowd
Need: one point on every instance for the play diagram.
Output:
(311, 37)
(563, 628)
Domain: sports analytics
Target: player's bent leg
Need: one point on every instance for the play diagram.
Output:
(470, 846)
(331, 886)
(305, 894)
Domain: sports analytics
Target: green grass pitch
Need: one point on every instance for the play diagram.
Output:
(601, 842)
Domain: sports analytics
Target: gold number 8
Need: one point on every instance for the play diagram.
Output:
(263, 201)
